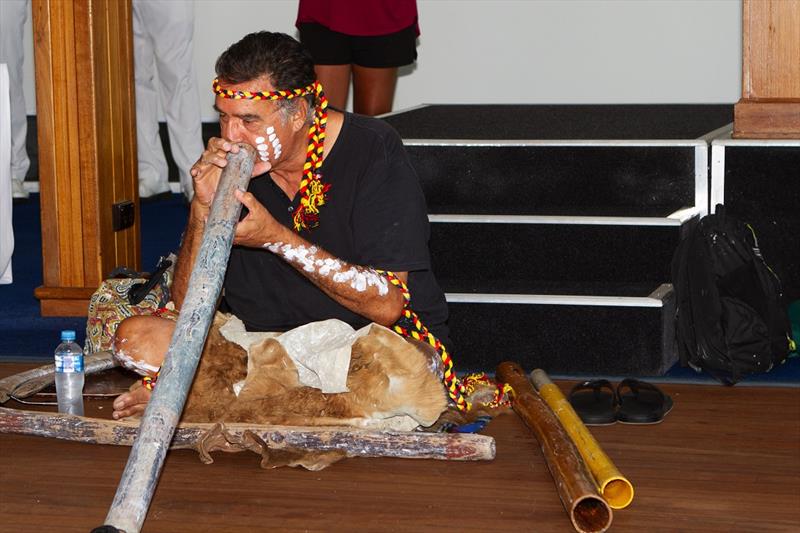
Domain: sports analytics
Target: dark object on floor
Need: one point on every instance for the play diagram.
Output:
(139, 291)
(105, 384)
(641, 403)
(731, 319)
(594, 401)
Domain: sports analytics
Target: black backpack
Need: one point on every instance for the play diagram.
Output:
(731, 319)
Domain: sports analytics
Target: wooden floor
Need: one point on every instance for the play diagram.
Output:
(725, 459)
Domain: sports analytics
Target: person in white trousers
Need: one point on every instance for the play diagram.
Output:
(6, 207)
(13, 14)
(162, 44)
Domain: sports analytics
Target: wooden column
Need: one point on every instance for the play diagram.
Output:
(770, 104)
(87, 146)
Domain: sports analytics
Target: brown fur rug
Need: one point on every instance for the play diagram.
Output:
(388, 378)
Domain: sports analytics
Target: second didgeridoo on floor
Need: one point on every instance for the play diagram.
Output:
(588, 512)
(615, 488)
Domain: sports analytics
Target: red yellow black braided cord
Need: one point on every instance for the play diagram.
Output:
(410, 325)
(149, 383)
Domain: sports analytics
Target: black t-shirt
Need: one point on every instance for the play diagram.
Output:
(374, 215)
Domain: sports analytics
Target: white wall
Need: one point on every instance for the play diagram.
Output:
(526, 51)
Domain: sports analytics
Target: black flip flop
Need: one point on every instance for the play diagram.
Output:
(641, 403)
(593, 403)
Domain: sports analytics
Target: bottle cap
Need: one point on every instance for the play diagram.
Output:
(68, 335)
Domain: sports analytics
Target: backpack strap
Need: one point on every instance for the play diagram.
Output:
(139, 291)
(126, 273)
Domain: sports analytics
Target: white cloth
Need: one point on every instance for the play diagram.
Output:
(13, 14)
(162, 44)
(6, 229)
(319, 350)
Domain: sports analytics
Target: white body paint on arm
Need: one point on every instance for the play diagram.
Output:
(358, 278)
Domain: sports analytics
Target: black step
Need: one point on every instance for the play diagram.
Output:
(545, 288)
(540, 179)
(631, 339)
(560, 122)
(484, 255)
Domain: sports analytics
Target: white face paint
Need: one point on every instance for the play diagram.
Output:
(276, 145)
(263, 147)
(358, 278)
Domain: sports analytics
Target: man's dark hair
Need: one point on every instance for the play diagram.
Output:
(279, 57)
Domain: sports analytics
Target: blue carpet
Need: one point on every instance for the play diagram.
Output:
(26, 336)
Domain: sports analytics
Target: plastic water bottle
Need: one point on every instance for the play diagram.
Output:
(69, 375)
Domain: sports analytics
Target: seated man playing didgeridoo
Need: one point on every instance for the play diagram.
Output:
(335, 222)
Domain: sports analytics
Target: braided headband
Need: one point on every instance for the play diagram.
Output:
(314, 88)
(312, 190)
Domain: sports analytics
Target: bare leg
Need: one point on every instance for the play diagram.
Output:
(373, 89)
(140, 344)
(335, 80)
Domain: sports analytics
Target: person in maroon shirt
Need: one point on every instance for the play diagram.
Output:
(364, 39)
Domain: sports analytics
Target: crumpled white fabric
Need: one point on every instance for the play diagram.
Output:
(320, 350)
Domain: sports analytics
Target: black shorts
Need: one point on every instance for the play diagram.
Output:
(329, 47)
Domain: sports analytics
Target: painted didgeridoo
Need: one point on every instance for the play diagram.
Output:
(135, 490)
(615, 488)
(588, 512)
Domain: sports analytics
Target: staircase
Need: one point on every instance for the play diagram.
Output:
(759, 183)
(553, 227)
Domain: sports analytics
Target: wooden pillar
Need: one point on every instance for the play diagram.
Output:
(770, 104)
(87, 146)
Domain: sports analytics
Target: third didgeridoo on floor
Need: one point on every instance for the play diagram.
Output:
(615, 488)
(588, 512)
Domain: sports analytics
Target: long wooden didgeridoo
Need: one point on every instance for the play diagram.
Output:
(588, 512)
(352, 441)
(135, 490)
(615, 488)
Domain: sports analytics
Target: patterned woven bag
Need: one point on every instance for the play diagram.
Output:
(127, 293)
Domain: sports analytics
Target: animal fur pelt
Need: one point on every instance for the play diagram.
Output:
(388, 378)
